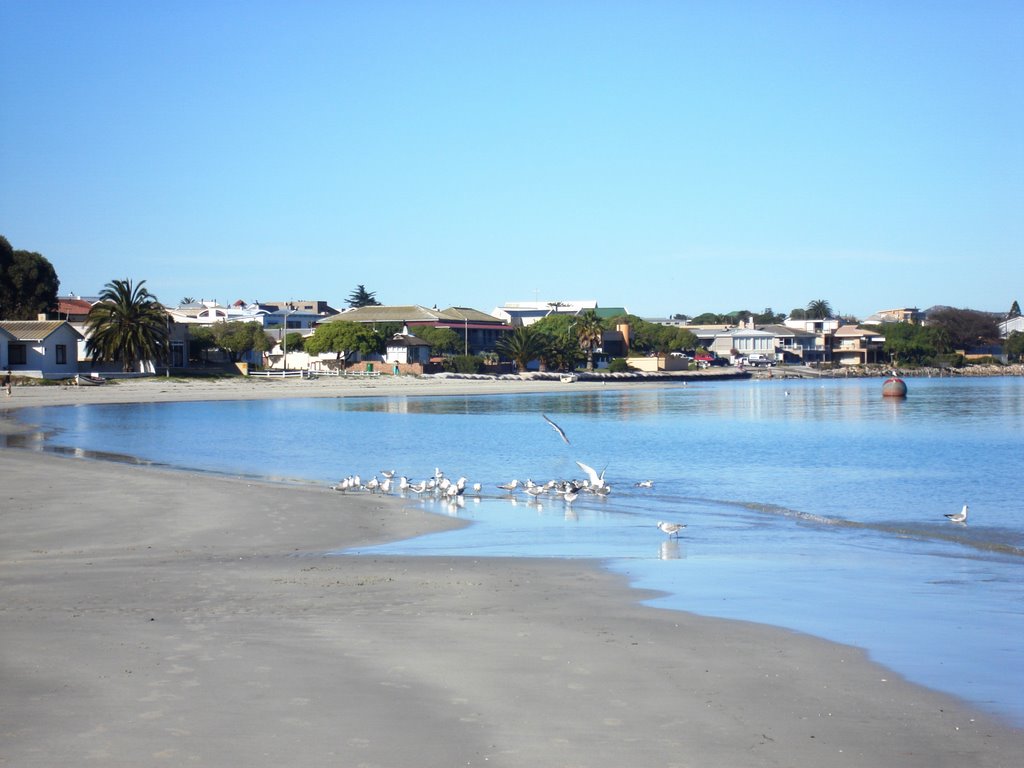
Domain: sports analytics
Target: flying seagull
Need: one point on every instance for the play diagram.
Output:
(558, 429)
(672, 529)
(958, 517)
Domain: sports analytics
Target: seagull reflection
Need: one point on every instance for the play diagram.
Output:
(670, 550)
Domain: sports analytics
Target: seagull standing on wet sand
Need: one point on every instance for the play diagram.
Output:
(672, 529)
(958, 517)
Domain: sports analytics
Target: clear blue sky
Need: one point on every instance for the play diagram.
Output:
(665, 156)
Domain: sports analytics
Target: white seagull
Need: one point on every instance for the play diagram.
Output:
(644, 484)
(958, 517)
(509, 486)
(558, 429)
(672, 529)
(596, 480)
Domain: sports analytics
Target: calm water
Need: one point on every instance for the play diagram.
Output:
(814, 506)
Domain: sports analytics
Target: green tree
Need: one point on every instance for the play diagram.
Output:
(1014, 310)
(561, 353)
(360, 297)
(798, 313)
(561, 350)
(708, 318)
(1014, 346)
(965, 328)
(128, 324)
(186, 300)
(6, 259)
(467, 363)
(344, 338)
(589, 331)
(294, 341)
(768, 317)
(819, 309)
(521, 345)
(683, 340)
(908, 343)
(28, 285)
(238, 338)
(201, 340)
(442, 341)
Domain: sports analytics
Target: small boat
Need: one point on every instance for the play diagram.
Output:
(569, 378)
(89, 381)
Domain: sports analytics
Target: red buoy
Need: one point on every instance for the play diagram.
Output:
(894, 388)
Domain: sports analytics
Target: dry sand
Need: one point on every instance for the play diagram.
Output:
(152, 618)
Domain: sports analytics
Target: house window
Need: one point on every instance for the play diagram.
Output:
(62, 354)
(16, 354)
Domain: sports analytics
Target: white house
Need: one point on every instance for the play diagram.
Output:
(529, 312)
(820, 325)
(44, 349)
(208, 313)
(406, 348)
(745, 341)
(1011, 324)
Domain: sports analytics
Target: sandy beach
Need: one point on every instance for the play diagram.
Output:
(153, 617)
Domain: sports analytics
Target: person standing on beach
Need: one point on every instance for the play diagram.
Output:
(7, 382)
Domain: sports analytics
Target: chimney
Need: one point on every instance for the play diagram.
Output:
(623, 328)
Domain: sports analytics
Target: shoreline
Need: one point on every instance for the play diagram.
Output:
(260, 638)
(157, 389)
(132, 636)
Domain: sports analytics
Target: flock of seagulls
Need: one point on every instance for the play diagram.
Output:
(440, 486)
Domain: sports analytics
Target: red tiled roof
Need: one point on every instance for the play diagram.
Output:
(73, 306)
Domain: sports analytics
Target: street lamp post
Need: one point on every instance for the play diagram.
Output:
(284, 344)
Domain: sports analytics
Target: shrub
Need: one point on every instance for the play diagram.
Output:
(467, 364)
(619, 365)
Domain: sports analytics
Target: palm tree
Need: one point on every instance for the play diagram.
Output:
(589, 332)
(127, 324)
(522, 345)
(819, 309)
(561, 352)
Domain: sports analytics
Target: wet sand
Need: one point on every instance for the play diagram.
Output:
(153, 617)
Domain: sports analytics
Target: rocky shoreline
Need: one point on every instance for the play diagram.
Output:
(885, 371)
